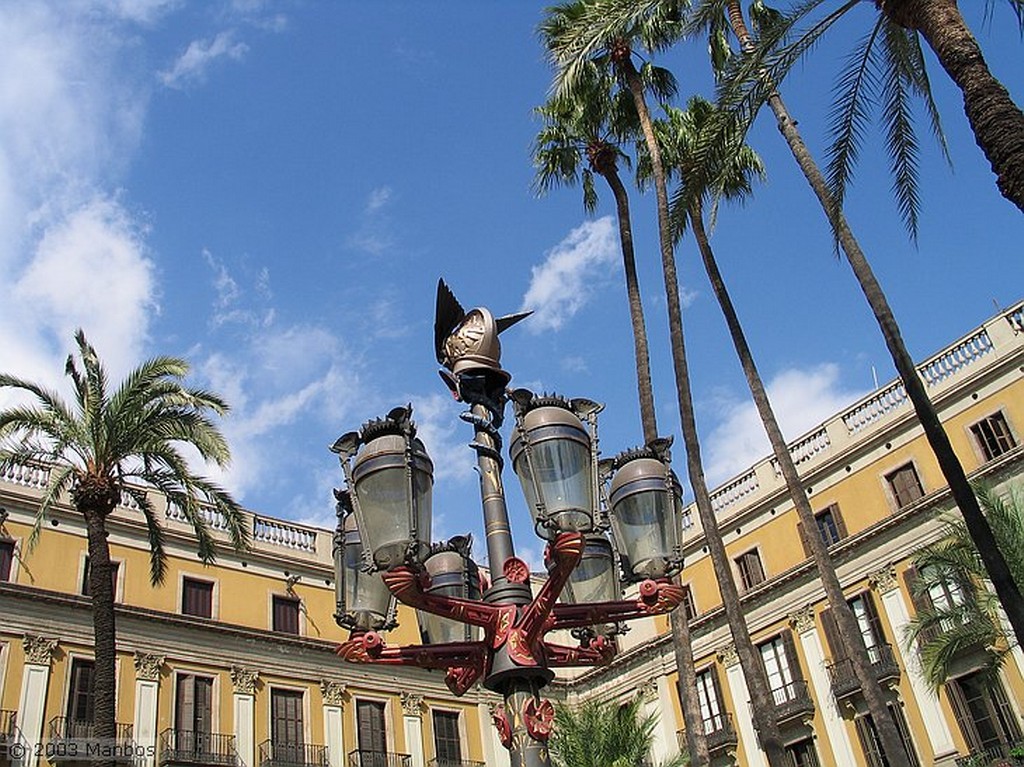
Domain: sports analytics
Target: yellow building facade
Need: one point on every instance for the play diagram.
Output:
(232, 664)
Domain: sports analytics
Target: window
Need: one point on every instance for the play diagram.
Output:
(689, 609)
(830, 525)
(802, 753)
(982, 712)
(871, 743)
(286, 615)
(447, 743)
(905, 485)
(709, 695)
(196, 598)
(870, 625)
(780, 669)
(751, 571)
(286, 730)
(87, 572)
(993, 436)
(193, 715)
(81, 701)
(6, 559)
(371, 732)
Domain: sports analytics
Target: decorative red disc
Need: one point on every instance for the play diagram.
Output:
(515, 570)
(539, 717)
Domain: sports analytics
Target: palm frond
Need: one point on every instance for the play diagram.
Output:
(155, 533)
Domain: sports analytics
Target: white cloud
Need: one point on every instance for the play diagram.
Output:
(191, 66)
(378, 198)
(373, 235)
(801, 399)
(565, 282)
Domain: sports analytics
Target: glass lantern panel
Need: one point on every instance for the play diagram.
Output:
(562, 470)
(366, 597)
(641, 522)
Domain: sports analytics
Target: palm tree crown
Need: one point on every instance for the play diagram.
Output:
(109, 446)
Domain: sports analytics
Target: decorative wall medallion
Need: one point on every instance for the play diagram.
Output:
(39, 650)
(539, 718)
(728, 656)
(244, 680)
(803, 619)
(412, 704)
(147, 666)
(333, 692)
(884, 580)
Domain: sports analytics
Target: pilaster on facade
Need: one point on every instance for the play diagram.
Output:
(32, 701)
(334, 694)
(884, 580)
(728, 656)
(412, 723)
(38, 649)
(147, 689)
(244, 681)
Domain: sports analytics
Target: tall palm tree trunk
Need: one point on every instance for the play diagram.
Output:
(849, 630)
(696, 741)
(997, 122)
(952, 470)
(645, 390)
(753, 671)
(104, 634)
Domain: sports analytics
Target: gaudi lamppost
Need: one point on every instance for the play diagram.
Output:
(495, 631)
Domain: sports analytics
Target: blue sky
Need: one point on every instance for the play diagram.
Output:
(272, 190)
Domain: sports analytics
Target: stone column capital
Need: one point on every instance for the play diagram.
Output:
(412, 704)
(147, 666)
(803, 619)
(728, 656)
(884, 580)
(244, 680)
(38, 650)
(333, 692)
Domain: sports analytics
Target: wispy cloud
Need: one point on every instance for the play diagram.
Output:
(801, 399)
(567, 280)
(379, 197)
(373, 234)
(190, 68)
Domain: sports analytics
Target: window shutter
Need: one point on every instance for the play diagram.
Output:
(837, 515)
(794, 660)
(919, 597)
(204, 704)
(828, 622)
(867, 740)
(962, 713)
(873, 619)
(186, 703)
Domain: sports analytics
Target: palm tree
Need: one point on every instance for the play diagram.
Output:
(952, 470)
(591, 126)
(602, 734)
(109, 448)
(893, 41)
(956, 613)
(588, 30)
(726, 172)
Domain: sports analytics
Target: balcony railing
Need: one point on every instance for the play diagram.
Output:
(292, 755)
(792, 701)
(8, 732)
(364, 758)
(719, 732)
(197, 748)
(844, 679)
(1001, 755)
(70, 739)
(455, 763)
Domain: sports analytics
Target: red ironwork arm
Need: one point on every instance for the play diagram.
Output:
(407, 585)
(599, 652)
(465, 662)
(565, 552)
(655, 597)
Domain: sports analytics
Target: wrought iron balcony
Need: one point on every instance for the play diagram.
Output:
(274, 754)
(1001, 755)
(8, 731)
(364, 758)
(75, 740)
(197, 748)
(455, 763)
(719, 732)
(792, 702)
(844, 680)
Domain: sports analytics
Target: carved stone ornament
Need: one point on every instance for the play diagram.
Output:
(244, 680)
(884, 580)
(647, 690)
(412, 704)
(728, 656)
(802, 620)
(147, 666)
(333, 692)
(39, 650)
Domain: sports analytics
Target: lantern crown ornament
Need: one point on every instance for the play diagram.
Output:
(465, 340)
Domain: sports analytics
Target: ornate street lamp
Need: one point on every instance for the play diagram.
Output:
(452, 573)
(362, 601)
(554, 455)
